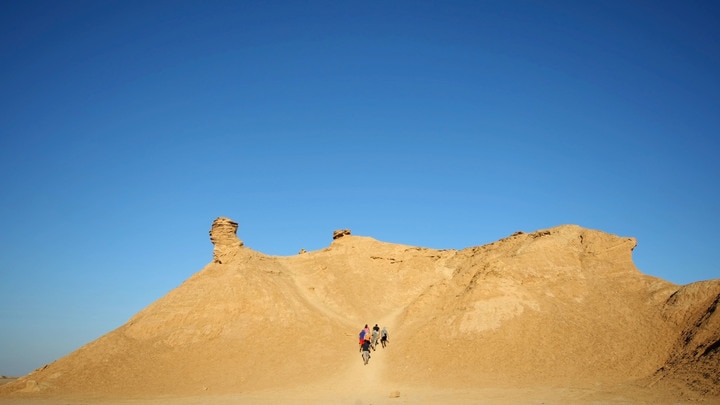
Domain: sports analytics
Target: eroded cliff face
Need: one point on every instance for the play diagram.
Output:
(555, 305)
(563, 306)
(693, 365)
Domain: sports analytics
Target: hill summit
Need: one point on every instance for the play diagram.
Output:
(560, 307)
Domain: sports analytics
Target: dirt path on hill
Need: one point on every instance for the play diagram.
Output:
(366, 381)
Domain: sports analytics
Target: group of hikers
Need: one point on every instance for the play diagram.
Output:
(369, 340)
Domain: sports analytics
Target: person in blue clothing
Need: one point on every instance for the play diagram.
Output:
(363, 333)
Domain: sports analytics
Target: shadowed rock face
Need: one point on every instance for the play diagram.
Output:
(339, 233)
(562, 307)
(694, 360)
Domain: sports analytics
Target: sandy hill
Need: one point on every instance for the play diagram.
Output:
(561, 307)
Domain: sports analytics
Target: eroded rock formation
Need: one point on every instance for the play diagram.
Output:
(340, 233)
(223, 235)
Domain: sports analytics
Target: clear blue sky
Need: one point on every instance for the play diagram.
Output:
(126, 127)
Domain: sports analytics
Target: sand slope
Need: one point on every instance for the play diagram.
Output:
(556, 314)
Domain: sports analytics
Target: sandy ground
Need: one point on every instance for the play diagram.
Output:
(360, 384)
(380, 395)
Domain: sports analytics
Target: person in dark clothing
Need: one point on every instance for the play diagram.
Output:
(383, 337)
(366, 350)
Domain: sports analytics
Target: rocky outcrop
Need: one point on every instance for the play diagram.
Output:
(223, 234)
(340, 233)
(694, 362)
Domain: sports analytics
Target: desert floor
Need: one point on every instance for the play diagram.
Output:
(381, 395)
(360, 384)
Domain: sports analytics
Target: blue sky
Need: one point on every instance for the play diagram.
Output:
(127, 127)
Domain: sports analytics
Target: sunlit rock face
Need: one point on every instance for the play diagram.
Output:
(223, 234)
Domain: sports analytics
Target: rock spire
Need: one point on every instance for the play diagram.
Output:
(223, 234)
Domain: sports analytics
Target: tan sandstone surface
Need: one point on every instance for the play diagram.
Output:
(556, 316)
